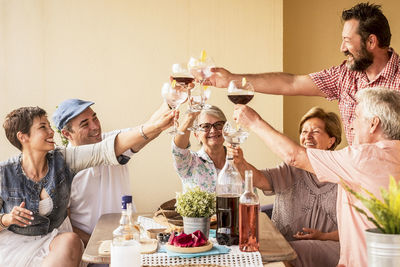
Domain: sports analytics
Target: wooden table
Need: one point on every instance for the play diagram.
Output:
(273, 246)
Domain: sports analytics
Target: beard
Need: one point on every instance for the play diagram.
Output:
(362, 61)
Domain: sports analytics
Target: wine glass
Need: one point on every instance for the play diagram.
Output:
(182, 77)
(240, 92)
(200, 68)
(174, 94)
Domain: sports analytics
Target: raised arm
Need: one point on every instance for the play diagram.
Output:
(259, 180)
(182, 140)
(138, 137)
(285, 148)
(277, 83)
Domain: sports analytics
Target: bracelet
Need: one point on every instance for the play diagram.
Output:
(142, 133)
(2, 226)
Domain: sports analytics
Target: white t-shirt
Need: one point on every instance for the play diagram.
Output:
(97, 191)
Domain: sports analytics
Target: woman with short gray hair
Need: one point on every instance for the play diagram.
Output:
(200, 168)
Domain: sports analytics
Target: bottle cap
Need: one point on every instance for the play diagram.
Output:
(125, 200)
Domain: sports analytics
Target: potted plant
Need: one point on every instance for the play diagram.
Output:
(196, 207)
(383, 242)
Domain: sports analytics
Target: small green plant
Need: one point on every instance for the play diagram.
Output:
(387, 213)
(195, 203)
(64, 140)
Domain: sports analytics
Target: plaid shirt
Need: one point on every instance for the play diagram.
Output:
(340, 83)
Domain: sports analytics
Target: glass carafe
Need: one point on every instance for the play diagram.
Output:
(249, 209)
(229, 189)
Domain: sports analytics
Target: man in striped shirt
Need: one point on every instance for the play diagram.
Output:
(370, 62)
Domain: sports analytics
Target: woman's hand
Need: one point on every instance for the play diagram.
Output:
(19, 216)
(237, 154)
(189, 120)
(309, 233)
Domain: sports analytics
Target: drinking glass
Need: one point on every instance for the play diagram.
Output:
(182, 77)
(200, 68)
(174, 94)
(240, 92)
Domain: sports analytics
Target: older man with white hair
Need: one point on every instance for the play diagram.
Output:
(374, 155)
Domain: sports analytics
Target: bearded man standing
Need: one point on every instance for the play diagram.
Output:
(370, 62)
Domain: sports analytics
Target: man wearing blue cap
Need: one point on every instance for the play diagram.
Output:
(98, 190)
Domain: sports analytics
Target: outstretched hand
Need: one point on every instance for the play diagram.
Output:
(309, 233)
(220, 78)
(163, 118)
(19, 216)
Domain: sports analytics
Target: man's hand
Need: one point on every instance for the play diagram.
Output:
(163, 118)
(245, 116)
(220, 78)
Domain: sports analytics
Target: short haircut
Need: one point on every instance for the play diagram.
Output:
(371, 21)
(21, 120)
(332, 123)
(213, 111)
(383, 103)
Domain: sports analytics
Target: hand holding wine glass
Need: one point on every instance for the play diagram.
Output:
(240, 92)
(174, 95)
(200, 68)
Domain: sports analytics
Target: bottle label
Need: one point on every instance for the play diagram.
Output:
(224, 231)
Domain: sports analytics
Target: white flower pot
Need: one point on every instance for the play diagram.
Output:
(383, 249)
(191, 225)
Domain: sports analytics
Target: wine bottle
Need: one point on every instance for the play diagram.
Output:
(249, 209)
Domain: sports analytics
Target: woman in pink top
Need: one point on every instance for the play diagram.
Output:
(374, 155)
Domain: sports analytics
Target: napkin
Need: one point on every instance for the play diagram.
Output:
(216, 250)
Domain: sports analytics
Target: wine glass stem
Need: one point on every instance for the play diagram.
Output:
(229, 156)
(176, 124)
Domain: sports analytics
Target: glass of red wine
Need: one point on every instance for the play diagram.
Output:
(174, 94)
(184, 79)
(240, 92)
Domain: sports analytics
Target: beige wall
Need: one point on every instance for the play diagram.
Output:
(311, 40)
(119, 52)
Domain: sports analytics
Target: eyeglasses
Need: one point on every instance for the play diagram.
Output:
(206, 127)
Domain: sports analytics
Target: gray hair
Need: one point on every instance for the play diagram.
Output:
(212, 111)
(383, 103)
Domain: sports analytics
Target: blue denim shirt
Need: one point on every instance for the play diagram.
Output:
(63, 164)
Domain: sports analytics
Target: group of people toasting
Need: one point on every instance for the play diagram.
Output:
(46, 187)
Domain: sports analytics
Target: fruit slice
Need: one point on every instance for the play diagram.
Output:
(244, 81)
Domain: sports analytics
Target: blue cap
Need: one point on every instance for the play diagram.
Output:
(125, 200)
(68, 110)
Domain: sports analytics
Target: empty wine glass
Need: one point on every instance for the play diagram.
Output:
(233, 136)
(174, 94)
(200, 68)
